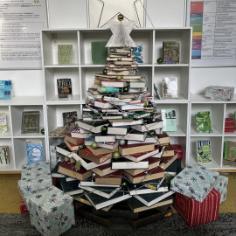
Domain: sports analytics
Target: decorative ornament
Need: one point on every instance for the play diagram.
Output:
(122, 142)
(94, 145)
(77, 165)
(116, 155)
(104, 130)
(160, 60)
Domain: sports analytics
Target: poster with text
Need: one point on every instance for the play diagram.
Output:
(214, 32)
(21, 22)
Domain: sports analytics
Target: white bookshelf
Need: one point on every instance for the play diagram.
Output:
(82, 73)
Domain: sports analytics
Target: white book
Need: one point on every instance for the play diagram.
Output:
(93, 184)
(124, 122)
(117, 130)
(148, 127)
(111, 146)
(129, 165)
(63, 151)
(118, 84)
(106, 192)
(88, 165)
(102, 104)
(105, 138)
(140, 84)
(151, 199)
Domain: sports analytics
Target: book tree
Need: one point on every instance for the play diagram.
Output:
(117, 151)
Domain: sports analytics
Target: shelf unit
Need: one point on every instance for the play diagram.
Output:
(82, 72)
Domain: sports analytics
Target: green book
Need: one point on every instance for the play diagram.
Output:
(99, 52)
(169, 120)
(203, 150)
(65, 54)
(230, 150)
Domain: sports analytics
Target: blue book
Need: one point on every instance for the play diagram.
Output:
(5, 89)
(34, 151)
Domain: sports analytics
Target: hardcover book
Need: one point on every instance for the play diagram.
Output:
(30, 122)
(99, 52)
(3, 123)
(34, 151)
(169, 120)
(230, 151)
(171, 52)
(203, 151)
(169, 87)
(4, 156)
(69, 119)
(65, 54)
(64, 87)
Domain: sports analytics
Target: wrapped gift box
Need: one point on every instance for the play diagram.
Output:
(35, 169)
(194, 182)
(221, 185)
(34, 178)
(196, 213)
(51, 211)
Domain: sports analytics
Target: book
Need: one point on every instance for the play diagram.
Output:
(99, 151)
(151, 199)
(106, 192)
(171, 52)
(148, 175)
(73, 140)
(105, 138)
(134, 135)
(3, 123)
(125, 122)
(167, 161)
(64, 87)
(163, 139)
(110, 146)
(136, 206)
(65, 54)
(168, 151)
(34, 151)
(143, 155)
(78, 133)
(135, 148)
(153, 162)
(169, 120)
(30, 122)
(5, 89)
(67, 168)
(70, 187)
(86, 154)
(124, 164)
(148, 127)
(230, 151)
(63, 149)
(99, 52)
(100, 202)
(4, 156)
(88, 165)
(69, 119)
(169, 87)
(92, 126)
(93, 184)
(203, 151)
(114, 178)
(72, 147)
(155, 186)
(103, 170)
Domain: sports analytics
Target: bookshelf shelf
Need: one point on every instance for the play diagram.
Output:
(81, 70)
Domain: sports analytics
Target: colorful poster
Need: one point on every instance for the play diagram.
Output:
(196, 21)
(214, 32)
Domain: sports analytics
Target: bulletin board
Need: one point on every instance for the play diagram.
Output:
(214, 32)
(21, 22)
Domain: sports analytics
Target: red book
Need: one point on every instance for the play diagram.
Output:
(111, 179)
(85, 153)
(179, 151)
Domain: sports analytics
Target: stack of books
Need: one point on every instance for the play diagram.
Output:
(118, 150)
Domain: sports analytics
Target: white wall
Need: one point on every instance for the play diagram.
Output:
(72, 13)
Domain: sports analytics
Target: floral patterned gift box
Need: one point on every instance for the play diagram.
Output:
(51, 211)
(194, 182)
(221, 186)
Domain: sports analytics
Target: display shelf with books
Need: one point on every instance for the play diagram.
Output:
(60, 48)
(172, 83)
(172, 46)
(58, 115)
(28, 149)
(5, 122)
(62, 84)
(212, 126)
(27, 121)
(7, 161)
(206, 151)
(92, 42)
(202, 78)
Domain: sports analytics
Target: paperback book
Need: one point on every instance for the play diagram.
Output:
(3, 123)
(64, 87)
(34, 151)
(4, 156)
(30, 122)
(204, 151)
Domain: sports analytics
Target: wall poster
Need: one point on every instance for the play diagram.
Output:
(214, 32)
(21, 22)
